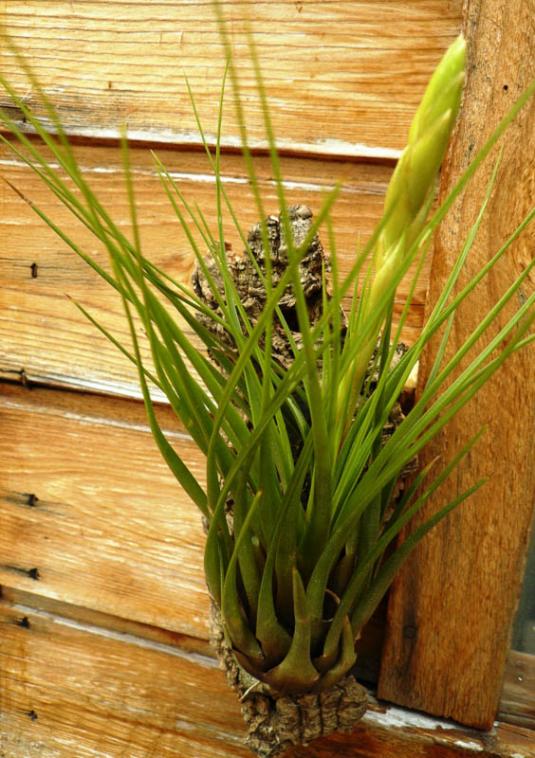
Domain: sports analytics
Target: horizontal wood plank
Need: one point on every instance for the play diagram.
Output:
(91, 514)
(75, 688)
(94, 618)
(41, 332)
(344, 77)
(82, 535)
(86, 691)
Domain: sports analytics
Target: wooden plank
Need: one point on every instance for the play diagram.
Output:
(82, 555)
(517, 702)
(42, 333)
(84, 691)
(82, 537)
(93, 618)
(344, 77)
(74, 688)
(451, 610)
(91, 514)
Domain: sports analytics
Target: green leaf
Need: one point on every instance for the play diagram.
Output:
(296, 673)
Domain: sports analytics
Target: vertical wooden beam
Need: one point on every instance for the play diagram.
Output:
(450, 611)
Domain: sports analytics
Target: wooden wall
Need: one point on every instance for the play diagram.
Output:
(344, 79)
(104, 633)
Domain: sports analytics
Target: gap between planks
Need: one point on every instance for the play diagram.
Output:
(108, 625)
(86, 405)
(321, 149)
(399, 728)
(46, 341)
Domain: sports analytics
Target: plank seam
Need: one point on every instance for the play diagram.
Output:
(126, 637)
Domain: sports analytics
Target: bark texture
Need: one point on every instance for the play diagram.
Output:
(248, 273)
(277, 722)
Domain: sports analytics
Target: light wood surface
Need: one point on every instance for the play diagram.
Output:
(72, 687)
(87, 691)
(452, 607)
(344, 77)
(103, 623)
(110, 528)
(59, 442)
(42, 333)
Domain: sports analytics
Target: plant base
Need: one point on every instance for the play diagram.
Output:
(276, 722)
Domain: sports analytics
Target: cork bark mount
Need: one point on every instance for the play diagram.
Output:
(277, 722)
(251, 289)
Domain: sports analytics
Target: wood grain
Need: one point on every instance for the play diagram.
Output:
(344, 81)
(109, 527)
(451, 610)
(86, 691)
(343, 78)
(75, 688)
(517, 701)
(93, 618)
(118, 546)
(78, 534)
(42, 333)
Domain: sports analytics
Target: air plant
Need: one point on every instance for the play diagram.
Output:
(302, 504)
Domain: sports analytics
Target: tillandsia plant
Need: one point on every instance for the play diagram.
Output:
(294, 403)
